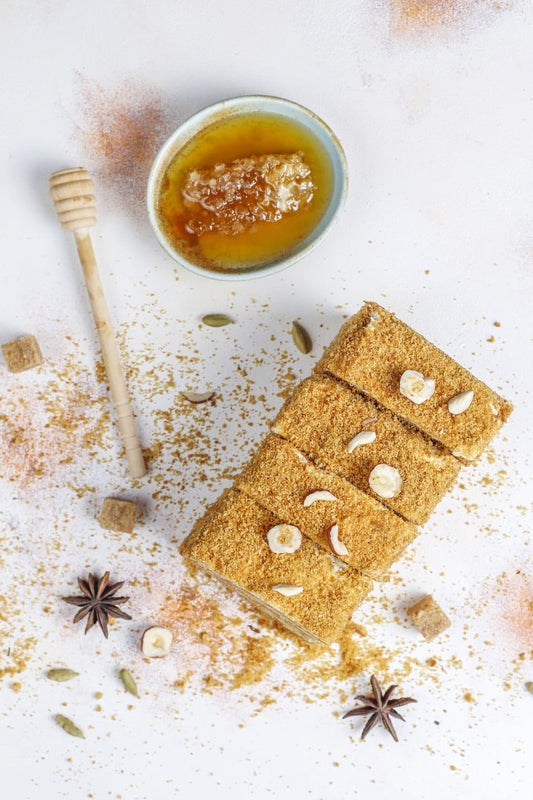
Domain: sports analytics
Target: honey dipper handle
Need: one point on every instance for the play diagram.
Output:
(117, 384)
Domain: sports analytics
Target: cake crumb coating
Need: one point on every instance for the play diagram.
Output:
(324, 415)
(280, 478)
(230, 541)
(372, 351)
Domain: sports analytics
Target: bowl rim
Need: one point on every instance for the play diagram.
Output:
(202, 119)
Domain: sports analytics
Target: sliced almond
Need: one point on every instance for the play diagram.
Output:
(197, 397)
(460, 402)
(338, 547)
(156, 641)
(287, 589)
(416, 387)
(385, 481)
(284, 538)
(314, 497)
(364, 437)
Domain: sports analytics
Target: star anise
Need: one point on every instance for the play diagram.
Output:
(381, 707)
(98, 602)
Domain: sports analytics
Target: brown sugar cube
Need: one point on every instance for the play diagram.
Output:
(23, 353)
(384, 358)
(349, 434)
(333, 513)
(304, 588)
(428, 617)
(118, 515)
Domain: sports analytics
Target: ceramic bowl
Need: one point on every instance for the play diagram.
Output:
(246, 105)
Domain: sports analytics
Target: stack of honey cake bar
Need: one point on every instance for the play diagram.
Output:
(357, 458)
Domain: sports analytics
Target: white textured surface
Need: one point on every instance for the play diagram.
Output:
(437, 226)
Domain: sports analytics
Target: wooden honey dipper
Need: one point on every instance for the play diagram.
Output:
(72, 192)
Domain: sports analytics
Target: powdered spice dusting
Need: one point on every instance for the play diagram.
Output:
(45, 423)
(423, 19)
(517, 591)
(120, 130)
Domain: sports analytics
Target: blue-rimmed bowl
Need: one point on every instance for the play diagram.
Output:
(260, 104)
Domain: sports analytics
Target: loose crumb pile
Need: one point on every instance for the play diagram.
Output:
(224, 645)
(58, 452)
(67, 458)
(60, 456)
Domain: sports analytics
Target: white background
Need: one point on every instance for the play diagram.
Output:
(437, 125)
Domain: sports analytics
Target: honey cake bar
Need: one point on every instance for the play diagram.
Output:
(348, 434)
(368, 536)
(383, 357)
(315, 594)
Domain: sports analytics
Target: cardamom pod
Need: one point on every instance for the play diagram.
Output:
(301, 338)
(61, 674)
(69, 726)
(128, 682)
(216, 320)
(529, 686)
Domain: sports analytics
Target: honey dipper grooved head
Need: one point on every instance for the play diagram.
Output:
(72, 192)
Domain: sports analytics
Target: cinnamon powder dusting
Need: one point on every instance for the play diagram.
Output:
(120, 131)
(518, 606)
(417, 19)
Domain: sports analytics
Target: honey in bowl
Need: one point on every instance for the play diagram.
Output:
(244, 192)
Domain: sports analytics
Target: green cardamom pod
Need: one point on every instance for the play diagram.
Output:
(216, 320)
(301, 338)
(529, 686)
(128, 681)
(69, 726)
(61, 674)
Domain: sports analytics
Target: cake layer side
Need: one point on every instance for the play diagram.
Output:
(231, 541)
(331, 511)
(259, 605)
(349, 435)
(374, 349)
